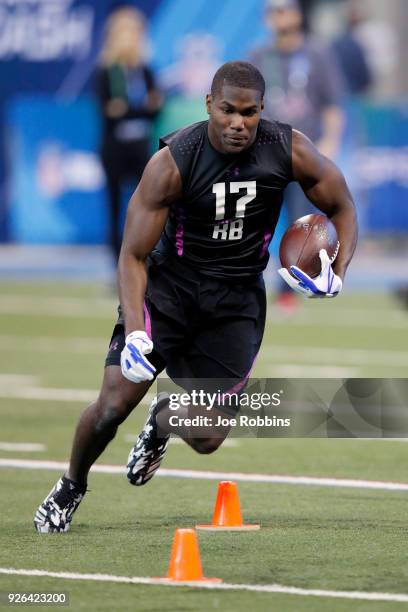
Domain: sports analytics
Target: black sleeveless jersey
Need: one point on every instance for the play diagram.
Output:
(224, 221)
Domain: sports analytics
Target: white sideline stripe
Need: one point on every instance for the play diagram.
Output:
(392, 319)
(221, 586)
(36, 464)
(298, 354)
(49, 393)
(228, 443)
(55, 394)
(291, 370)
(348, 356)
(22, 447)
(386, 440)
(54, 344)
(104, 308)
(95, 308)
(18, 379)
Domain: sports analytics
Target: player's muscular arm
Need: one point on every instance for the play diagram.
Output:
(324, 185)
(148, 209)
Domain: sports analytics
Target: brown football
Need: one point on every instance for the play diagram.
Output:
(303, 240)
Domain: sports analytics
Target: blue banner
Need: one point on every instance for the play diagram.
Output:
(49, 48)
(57, 182)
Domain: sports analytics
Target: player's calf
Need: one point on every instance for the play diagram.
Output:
(205, 446)
(98, 424)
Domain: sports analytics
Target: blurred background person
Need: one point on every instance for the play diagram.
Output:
(198, 58)
(129, 100)
(351, 54)
(303, 88)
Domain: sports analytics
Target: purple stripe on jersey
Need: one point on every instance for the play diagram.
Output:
(266, 241)
(148, 321)
(179, 239)
(241, 384)
(180, 218)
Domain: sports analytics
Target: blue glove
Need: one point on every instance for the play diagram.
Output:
(135, 367)
(327, 284)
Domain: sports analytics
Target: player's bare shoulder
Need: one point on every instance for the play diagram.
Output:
(161, 181)
(301, 144)
(307, 162)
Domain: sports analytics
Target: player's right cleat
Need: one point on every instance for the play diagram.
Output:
(146, 456)
(55, 513)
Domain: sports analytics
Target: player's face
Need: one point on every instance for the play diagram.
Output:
(234, 117)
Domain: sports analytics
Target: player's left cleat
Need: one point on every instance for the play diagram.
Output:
(55, 513)
(146, 456)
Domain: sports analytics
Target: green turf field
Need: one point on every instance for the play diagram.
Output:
(53, 339)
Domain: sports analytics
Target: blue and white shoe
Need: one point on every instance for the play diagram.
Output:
(146, 456)
(55, 513)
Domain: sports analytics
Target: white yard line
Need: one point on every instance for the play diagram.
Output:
(228, 443)
(22, 447)
(54, 394)
(36, 464)
(18, 379)
(220, 586)
(291, 370)
(48, 394)
(104, 308)
(348, 317)
(323, 355)
(348, 356)
(334, 311)
(53, 344)
(22, 386)
(30, 305)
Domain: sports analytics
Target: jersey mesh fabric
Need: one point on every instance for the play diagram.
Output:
(230, 206)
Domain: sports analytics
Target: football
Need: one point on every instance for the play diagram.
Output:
(302, 241)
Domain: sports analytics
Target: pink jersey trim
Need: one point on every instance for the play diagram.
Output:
(237, 388)
(148, 321)
(180, 239)
(266, 241)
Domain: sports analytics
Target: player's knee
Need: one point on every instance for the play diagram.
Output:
(205, 446)
(112, 410)
(109, 419)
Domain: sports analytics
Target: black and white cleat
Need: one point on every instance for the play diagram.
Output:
(55, 513)
(147, 454)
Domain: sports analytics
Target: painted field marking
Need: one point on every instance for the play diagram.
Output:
(292, 370)
(104, 308)
(54, 306)
(220, 586)
(55, 394)
(300, 354)
(16, 386)
(228, 443)
(348, 317)
(53, 344)
(36, 464)
(22, 447)
(18, 379)
(48, 393)
(348, 356)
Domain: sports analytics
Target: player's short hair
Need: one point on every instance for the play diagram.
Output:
(238, 74)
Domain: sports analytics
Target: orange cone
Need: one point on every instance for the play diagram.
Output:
(227, 513)
(185, 562)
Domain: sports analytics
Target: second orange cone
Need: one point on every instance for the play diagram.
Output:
(185, 561)
(227, 513)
